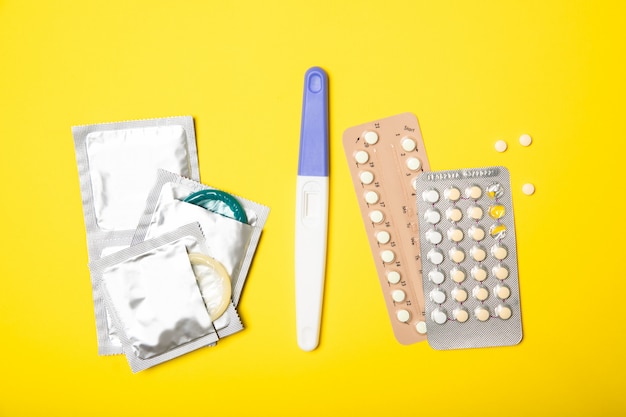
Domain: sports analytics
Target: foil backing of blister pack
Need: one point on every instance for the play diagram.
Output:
(469, 257)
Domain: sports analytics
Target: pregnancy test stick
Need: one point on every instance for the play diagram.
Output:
(312, 208)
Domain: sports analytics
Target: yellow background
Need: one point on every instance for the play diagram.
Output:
(473, 72)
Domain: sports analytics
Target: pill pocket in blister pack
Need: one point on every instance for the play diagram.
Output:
(468, 246)
(384, 158)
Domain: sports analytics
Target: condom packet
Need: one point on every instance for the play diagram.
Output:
(231, 242)
(117, 165)
(154, 299)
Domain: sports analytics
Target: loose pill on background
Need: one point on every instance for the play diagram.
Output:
(525, 140)
(501, 146)
(528, 189)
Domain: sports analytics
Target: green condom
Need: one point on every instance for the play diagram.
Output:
(218, 202)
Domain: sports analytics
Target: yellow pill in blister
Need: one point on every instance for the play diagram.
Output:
(497, 231)
(496, 211)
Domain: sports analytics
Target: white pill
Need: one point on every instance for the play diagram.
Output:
(393, 277)
(457, 275)
(420, 326)
(361, 157)
(437, 296)
(501, 146)
(408, 144)
(459, 294)
(432, 216)
(454, 214)
(434, 236)
(452, 194)
(435, 256)
(457, 255)
(455, 234)
(398, 296)
(383, 237)
(413, 164)
(371, 197)
(528, 189)
(502, 291)
(377, 216)
(439, 316)
(366, 177)
(477, 233)
(479, 273)
(501, 272)
(430, 196)
(403, 315)
(525, 140)
(436, 276)
(504, 312)
(387, 256)
(481, 313)
(371, 137)
(460, 314)
(480, 293)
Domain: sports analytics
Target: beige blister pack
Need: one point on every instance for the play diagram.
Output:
(385, 157)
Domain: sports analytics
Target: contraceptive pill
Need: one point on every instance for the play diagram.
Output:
(525, 140)
(501, 146)
(479, 262)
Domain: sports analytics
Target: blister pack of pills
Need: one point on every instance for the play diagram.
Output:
(385, 157)
(468, 248)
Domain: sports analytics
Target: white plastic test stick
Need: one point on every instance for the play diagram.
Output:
(312, 209)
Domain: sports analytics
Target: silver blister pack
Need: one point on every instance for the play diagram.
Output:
(117, 165)
(229, 241)
(469, 258)
(152, 294)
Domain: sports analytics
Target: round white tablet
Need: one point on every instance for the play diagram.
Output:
(371, 137)
(371, 197)
(457, 255)
(434, 236)
(525, 140)
(504, 312)
(387, 256)
(430, 196)
(459, 294)
(377, 216)
(435, 256)
(478, 253)
(474, 192)
(475, 212)
(439, 316)
(398, 296)
(457, 274)
(437, 296)
(436, 276)
(460, 314)
(383, 237)
(408, 144)
(361, 157)
(481, 313)
(420, 326)
(432, 216)
(413, 164)
(452, 194)
(502, 291)
(393, 277)
(499, 252)
(528, 189)
(501, 146)
(479, 273)
(403, 315)
(366, 177)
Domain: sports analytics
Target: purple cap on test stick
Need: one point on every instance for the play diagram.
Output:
(314, 130)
